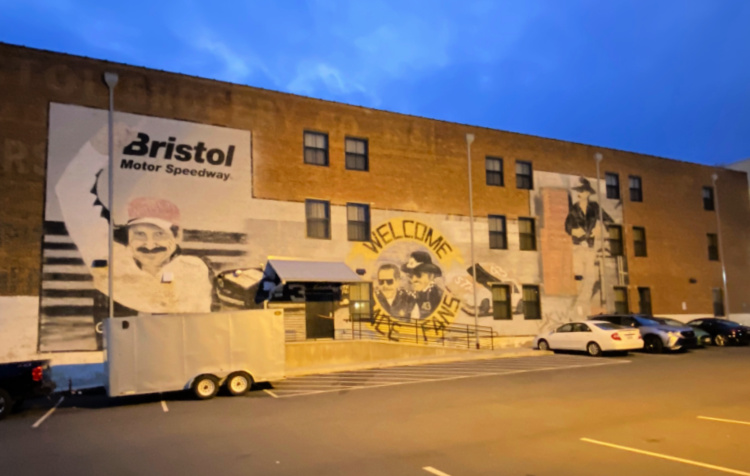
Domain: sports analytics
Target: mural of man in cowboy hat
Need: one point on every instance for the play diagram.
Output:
(422, 273)
(583, 215)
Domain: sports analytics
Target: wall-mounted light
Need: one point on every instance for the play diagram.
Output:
(692, 280)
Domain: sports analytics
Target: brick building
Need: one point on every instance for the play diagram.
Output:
(239, 175)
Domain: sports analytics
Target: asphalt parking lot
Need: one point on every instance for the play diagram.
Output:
(685, 413)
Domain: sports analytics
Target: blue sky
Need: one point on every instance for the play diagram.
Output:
(664, 77)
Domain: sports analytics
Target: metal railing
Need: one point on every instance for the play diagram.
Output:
(411, 331)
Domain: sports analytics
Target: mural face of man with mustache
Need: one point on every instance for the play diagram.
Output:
(152, 246)
(153, 233)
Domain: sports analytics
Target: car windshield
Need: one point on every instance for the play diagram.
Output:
(606, 326)
(647, 322)
(671, 322)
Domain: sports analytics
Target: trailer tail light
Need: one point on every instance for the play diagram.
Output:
(37, 374)
(616, 336)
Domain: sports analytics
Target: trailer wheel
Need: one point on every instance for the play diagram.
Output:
(205, 386)
(238, 383)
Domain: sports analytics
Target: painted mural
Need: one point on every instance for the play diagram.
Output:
(174, 184)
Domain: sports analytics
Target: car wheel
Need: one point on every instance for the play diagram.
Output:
(205, 386)
(6, 403)
(593, 349)
(543, 345)
(239, 383)
(653, 344)
(720, 340)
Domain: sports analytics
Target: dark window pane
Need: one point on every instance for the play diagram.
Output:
(615, 240)
(621, 300)
(358, 222)
(356, 154)
(636, 192)
(644, 301)
(524, 176)
(316, 148)
(498, 236)
(613, 185)
(713, 247)
(639, 241)
(501, 302)
(708, 198)
(527, 234)
(494, 170)
(318, 219)
(531, 305)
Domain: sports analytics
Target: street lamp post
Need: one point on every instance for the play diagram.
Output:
(110, 79)
(725, 303)
(602, 292)
(469, 140)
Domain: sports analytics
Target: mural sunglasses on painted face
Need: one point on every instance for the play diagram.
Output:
(386, 281)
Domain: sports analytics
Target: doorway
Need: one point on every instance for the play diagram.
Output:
(319, 307)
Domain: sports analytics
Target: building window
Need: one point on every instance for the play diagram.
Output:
(615, 239)
(494, 169)
(358, 222)
(316, 148)
(501, 302)
(531, 307)
(360, 302)
(713, 247)
(639, 241)
(527, 234)
(613, 185)
(318, 214)
(621, 300)
(524, 176)
(644, 301)
(708, 198)
(718, 296)
(636, 191)
(356, 154)
(498, 236)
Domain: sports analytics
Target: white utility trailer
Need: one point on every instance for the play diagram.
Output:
(198, 352)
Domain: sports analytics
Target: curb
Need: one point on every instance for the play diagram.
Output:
(302, 371)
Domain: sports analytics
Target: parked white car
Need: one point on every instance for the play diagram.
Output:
(593, 337)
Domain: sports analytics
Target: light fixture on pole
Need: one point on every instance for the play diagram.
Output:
(603, 288)
(110, 79)
(469, 140)
(725, 302)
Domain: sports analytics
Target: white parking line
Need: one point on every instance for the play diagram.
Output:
(667, 457)
(270, 393)
(164, 406)
(434, 471)
(446, 379)
(738, 422)
(51, 410)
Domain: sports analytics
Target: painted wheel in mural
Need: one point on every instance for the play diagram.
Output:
(205, 386)
(653, 344)
(6, 403)
(543, 345)
(720, 340)
(238, 383)
(593, 349)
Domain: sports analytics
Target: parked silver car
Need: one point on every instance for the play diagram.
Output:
(656, 336)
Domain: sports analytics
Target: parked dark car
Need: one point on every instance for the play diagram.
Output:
(22, 380)
(656, 336)
(723, 332)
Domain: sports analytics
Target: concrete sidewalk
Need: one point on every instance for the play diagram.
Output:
(322, 367)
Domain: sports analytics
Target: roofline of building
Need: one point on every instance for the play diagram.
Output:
(328, 101)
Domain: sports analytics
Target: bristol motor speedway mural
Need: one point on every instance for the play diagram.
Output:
(174, 183)
(189, 238)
